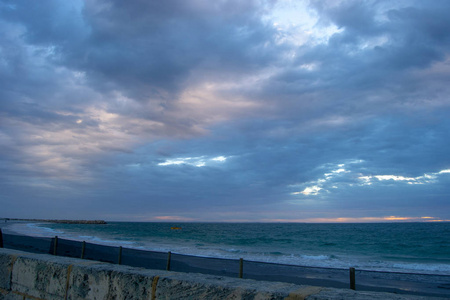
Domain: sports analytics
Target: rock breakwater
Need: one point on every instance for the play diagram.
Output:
(99, 222)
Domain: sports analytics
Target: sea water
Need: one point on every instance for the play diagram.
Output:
(393, 247)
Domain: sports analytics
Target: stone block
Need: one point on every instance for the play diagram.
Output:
(6, 295)
(6, 262)
(106, 281)
(199, 286)
(89, 282)
(40, 276)
(130, 284)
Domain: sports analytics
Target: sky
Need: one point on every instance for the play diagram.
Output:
(225, 111)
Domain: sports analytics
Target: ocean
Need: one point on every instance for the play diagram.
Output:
(422, 248)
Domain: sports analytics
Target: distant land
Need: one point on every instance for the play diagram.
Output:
(99, 222)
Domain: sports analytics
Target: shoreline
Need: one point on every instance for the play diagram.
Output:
(333, 277)
(178, 246)
(433, 286)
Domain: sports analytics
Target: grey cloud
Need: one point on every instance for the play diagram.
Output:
(372, 66)
(92, 101)
(417, 35)
(147, 49)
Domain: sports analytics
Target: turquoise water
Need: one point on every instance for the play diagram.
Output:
(399, 247)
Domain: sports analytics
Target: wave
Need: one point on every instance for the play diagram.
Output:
(287, 256)
(33, 229)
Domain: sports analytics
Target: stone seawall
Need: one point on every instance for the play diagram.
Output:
(38, 276)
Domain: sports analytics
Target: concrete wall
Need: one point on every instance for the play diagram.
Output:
(38, 276)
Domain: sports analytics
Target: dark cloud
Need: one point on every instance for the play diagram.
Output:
(148, 49)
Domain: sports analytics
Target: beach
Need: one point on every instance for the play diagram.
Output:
(103, 244)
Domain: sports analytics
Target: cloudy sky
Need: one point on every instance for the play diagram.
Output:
(284, 111)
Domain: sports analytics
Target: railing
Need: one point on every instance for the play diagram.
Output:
(408, 283)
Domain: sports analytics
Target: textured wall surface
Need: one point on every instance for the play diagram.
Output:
(39, 276)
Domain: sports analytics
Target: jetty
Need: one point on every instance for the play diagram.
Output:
(96, 222)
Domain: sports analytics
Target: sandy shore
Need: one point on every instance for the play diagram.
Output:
(5, 226)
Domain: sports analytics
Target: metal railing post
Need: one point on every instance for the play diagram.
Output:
(83, 248)
(119, 261)
(55, 245)
(352, 279)
(169, 254)
(241, 267)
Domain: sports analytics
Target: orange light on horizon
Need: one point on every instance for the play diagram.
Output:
(394, 218)
(306, 220)
(357, 220)
(173, 218)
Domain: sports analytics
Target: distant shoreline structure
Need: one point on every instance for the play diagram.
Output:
(96, 222)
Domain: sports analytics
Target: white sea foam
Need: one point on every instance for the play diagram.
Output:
(33, 229)
(316, 257)
(322, 261)
(99, 240)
